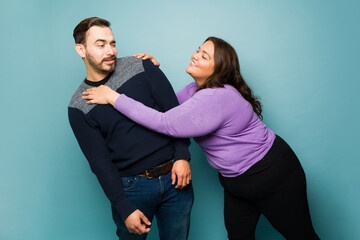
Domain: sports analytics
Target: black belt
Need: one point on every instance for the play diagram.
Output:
(157, 171)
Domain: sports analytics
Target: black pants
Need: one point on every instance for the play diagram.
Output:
(274, 187)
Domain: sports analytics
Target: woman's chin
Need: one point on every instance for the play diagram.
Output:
(189, 70)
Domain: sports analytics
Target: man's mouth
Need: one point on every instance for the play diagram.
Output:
(109, 60)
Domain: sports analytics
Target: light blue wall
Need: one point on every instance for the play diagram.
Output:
(301, 57)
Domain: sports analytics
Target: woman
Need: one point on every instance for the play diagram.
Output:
(258, 170)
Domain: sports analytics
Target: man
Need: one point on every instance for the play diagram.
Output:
(143, 173)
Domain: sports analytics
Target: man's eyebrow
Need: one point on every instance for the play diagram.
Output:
(100, 40)
(104, 41)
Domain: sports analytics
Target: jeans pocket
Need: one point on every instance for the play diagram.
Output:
(128, 184)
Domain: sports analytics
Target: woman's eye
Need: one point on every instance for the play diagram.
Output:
(203, 57)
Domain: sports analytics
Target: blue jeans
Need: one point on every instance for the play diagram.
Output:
(158, 197)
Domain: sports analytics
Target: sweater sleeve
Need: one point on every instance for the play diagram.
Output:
(165, 98)
(199, 115)
(186, 92)
(93, 146)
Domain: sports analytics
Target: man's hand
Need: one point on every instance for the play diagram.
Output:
(137, 222)
(145, 56)
(181, 174)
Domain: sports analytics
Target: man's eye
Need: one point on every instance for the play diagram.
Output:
(203, 57)
(100, 45)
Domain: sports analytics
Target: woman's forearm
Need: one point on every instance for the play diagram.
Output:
(191, 119)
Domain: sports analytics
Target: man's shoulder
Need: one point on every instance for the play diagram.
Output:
(128, 65)
(126, 68)
(127, 60)
(77, 102)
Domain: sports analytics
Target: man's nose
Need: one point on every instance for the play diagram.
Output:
(109, 50)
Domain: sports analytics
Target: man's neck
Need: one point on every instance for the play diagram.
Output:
(95, 76)
(98, 83)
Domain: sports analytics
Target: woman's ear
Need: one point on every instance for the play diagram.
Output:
(80, 49)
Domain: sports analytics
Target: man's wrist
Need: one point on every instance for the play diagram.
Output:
(186, 159)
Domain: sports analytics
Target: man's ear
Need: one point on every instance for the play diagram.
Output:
(80, 49)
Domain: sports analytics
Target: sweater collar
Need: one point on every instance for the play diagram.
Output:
(101, 82)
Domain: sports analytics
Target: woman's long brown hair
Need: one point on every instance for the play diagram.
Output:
(227, 71)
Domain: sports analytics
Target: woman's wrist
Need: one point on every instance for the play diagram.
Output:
(112, 97)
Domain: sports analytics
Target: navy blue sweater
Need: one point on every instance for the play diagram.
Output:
(114, 145)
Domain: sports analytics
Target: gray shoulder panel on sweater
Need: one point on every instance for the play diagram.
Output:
(126, 68)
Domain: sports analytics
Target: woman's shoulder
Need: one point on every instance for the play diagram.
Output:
(226, 94)
(191, 87)
(226, 91)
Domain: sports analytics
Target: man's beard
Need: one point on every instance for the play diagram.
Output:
(98, 66)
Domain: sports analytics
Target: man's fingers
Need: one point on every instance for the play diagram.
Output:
(137, 229)
(145, 219)
(181, 181)
(140, 229)
(143, 229)
(173, 177)
(188, 179)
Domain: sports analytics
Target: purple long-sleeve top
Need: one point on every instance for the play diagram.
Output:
(221, 121)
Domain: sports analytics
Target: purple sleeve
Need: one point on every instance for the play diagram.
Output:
(199, 115)
(185, 93)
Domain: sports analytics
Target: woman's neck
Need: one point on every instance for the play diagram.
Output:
(200, 82)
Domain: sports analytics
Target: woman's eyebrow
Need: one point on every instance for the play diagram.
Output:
(205, 52)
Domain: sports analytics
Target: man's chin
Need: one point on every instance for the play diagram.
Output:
(108, 67)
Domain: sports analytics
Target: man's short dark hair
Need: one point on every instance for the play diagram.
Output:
(81, 29)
